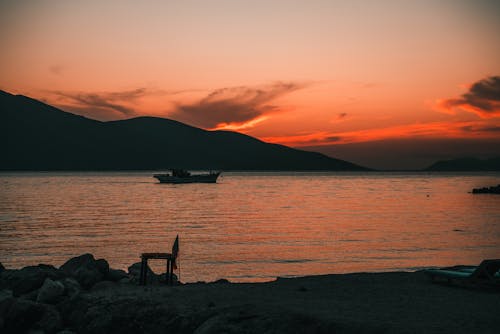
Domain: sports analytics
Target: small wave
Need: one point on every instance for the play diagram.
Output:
(291, 260)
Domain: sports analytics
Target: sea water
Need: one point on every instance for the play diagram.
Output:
(252, 226)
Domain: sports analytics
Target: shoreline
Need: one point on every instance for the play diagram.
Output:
(85, 296)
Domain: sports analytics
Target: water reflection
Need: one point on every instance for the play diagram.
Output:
(252, 226)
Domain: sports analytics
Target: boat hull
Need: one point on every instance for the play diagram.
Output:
(200, 178)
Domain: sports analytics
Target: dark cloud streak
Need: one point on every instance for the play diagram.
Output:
(112, 103)
(482, 98)
(233, 105)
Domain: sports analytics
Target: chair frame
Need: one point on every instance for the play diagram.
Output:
(170, 257)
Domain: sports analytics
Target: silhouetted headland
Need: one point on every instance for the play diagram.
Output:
(85, 295)
(37, 136)
(466, 164)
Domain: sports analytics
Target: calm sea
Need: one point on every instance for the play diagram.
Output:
(252, 226)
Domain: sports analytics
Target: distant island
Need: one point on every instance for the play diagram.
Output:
(466, 164)
(37, 136)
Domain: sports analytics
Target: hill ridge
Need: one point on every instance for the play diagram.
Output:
(466, 164)
(38, 136)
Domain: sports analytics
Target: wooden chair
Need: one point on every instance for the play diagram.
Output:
(171, 263)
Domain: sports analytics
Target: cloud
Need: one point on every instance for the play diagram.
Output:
(107, 105)
(56, 69)
(467, 129)
(481, 128)
(234, 107)
(483, 99)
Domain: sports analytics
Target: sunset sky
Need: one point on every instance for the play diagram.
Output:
(388, 84)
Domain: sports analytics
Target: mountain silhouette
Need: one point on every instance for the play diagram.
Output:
(37, 136)
(466, 164)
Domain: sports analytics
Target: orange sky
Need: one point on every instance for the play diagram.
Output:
(326, 75)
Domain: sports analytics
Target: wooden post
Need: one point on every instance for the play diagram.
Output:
(167, 274)
(144, 271)
(170, 278)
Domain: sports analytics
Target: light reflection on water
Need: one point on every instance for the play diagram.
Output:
(252, 226)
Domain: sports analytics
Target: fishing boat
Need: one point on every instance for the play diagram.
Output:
(183, 176)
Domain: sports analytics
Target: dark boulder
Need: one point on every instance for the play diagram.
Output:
(6, 299)
(71, 287)
(51, 321)
(73, 310)
(86, 270)
(135, 272)
(24, 315)
(30, 278)
(162, 278)
(104, 285)
(125, 315)
(32, 295)
(102, 266)
(50, 292)
(116, 275)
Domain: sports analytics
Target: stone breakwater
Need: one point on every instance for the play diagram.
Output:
(37, 298)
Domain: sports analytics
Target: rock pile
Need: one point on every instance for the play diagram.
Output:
(37, 298)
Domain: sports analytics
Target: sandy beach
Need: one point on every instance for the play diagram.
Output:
(395, 302)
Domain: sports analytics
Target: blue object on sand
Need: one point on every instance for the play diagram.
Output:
(486, 274)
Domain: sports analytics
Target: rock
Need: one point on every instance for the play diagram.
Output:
(2, 268)
(25, 315)
(221, 281)
(125, 315)
(71, 287)
(51, 321)
(104, 285)
(135, 272)
(27, 279)
(73, 310)
(50, 291)
(487, 190)
(6, 299)
(5, 294)
(32, 295)
(163, 278)
(253, 319)
(86, 270)
(115, 275)
(103, 266)
(21, 315)
(125, 280)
